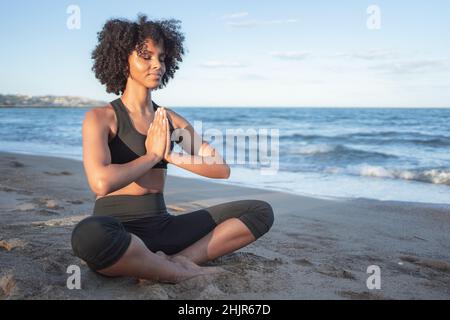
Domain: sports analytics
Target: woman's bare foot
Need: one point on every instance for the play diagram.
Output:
(190, 269)
(163, 255)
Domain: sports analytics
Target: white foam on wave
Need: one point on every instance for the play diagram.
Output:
(314, 149)
(434, 176)
(326, 185)
(371, 171)
(438, 176)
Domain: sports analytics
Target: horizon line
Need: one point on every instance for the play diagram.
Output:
(225, 106)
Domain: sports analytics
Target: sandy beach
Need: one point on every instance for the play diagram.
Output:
(317, 249)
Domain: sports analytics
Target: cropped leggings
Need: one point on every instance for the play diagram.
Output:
(101, 240)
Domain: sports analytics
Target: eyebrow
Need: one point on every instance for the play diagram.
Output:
(161, 54)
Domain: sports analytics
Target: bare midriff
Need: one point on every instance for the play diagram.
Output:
(151, 182)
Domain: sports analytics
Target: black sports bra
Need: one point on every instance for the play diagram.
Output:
(128, 143)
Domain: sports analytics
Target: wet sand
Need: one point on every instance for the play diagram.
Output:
(317, 249)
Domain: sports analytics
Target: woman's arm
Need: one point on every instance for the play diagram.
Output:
(202, 158)
(104, 177)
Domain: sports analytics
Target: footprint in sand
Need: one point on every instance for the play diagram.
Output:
(62, 173)
(46, 212)
(43, 205)
(334, 272)
(436, 265)
(69, 221)
(50, 203)
(26, 207)
(16, 164)
(6, 189)
(74, 201)
(16, 190)
(303, 262)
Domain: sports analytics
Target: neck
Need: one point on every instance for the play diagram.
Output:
(137, 98)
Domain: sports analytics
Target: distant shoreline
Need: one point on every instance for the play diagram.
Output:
(48, 107)
(238, 107)
(26, 101)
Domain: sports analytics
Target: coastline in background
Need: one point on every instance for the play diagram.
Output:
(25, 101)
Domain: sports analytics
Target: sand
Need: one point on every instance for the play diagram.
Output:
(317, 249)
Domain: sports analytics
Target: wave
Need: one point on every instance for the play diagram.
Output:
(377, 138)
(428, 175)
(354, 134)
(299, 136)
(314, 149)
(336, 152)
(435, 142)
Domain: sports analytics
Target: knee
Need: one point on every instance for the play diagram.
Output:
(99, 241)
(261, 218)
(266, 214)
(88, 236)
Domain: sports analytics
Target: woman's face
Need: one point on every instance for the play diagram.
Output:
(148, 67)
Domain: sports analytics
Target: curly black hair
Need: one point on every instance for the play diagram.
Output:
(118, 39)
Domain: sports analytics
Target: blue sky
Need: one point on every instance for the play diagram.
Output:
(246, 52)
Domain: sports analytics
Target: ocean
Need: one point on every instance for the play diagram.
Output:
(378, 153)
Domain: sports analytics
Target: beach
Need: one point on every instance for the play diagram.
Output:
(316, 249)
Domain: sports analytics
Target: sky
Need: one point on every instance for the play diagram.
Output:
(245, 53)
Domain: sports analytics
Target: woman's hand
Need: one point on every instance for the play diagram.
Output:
(168, 142)
(157, 134)
(168, 153)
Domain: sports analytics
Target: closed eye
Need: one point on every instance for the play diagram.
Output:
(150, 57)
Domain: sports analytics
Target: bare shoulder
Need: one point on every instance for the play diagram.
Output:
(103, 117)
(104, 111)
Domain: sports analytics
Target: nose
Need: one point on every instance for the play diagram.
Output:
(156, 65)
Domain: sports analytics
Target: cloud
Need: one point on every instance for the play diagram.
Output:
(257, 23)
(290, 55)
(370, 55)
(390, 62)
(415, 66)
(252, 76)
(251, 23)
(235, 15)
(222, 64)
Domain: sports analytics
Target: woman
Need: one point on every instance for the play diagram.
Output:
(126, 148)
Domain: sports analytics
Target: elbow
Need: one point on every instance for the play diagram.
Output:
(227, 172)
(219, 172)
(101, 188)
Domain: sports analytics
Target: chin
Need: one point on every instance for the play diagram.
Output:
(152, 85)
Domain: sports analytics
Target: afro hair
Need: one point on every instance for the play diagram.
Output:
(120, 37)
